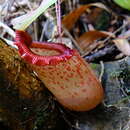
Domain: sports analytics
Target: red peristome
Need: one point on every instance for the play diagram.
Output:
(23, 37)
(24, 43)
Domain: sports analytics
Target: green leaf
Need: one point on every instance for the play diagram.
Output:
(123, 3)
(22, 22)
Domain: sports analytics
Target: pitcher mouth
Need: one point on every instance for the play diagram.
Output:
(25, 43)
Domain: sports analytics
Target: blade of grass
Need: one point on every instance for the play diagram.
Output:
(22, 22)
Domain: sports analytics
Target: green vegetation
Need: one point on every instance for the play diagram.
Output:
(123, 3)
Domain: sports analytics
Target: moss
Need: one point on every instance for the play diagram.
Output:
(123, 75)
(115, 74)
(45, 119)
(94, 66)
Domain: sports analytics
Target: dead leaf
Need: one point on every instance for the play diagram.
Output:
(100, 5)
(123, 45)
(70, 19)
(87, 40)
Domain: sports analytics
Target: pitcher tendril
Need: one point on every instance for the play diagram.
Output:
(58, 16)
